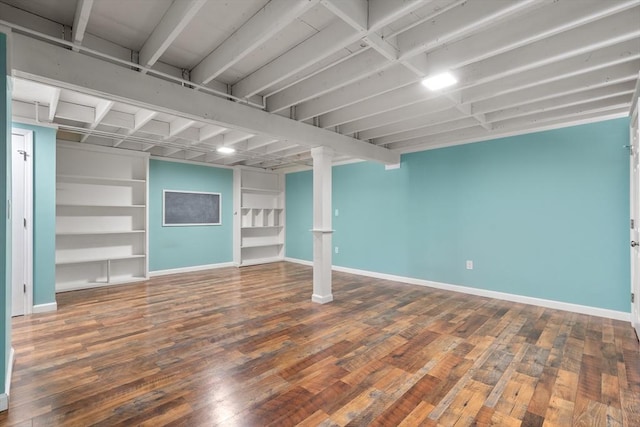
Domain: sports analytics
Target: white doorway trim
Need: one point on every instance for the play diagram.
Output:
(27, 235)
(634, 187)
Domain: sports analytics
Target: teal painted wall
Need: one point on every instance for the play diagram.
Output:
(44, 213)
(176, 247)
(542, 215)
(5, 225)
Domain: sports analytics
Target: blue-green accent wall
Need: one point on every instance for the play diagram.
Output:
(177, 247)
(5, 225)
(44, 213)
(542, 215)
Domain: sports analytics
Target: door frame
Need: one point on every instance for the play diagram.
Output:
(634, 201)
(28, 213)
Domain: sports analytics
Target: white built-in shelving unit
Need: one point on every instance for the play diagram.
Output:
(101, 216)
(258, 216)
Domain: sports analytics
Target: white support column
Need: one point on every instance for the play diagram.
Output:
(322, 157)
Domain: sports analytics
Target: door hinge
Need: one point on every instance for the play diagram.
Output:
(24, 288)
(633, 223)
(25, 222)
(633, 297)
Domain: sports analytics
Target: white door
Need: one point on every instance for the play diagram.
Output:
(635, 221)
(21, 208)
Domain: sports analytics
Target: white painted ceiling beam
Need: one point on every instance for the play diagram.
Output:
(209, 131)
(21, 110)
(567, 112)
(576, 65)
(381, 123)
(356, 13)
(406, 115)
(391, 78)
(384, 12)
(226, 139)
(353, 12)
(178, 125)
(272, 18)
(53, 103)
(548, 20)
(486, 73)
(459, 22)
(75, 112)
(119, 119)
(511, 63)
(80, 21)
(428, 118)
(156, 127)
(621, 94)
(406, 95)
(39, 61)
(174, 21)
(140, 118)
(606, 32)
(328, 41)
(420, 133)
(598, 78)
(278, 147)
(609, 91)
(259, 141)
(477, 133)
(321, 45)
(365, 63)
(102, 109)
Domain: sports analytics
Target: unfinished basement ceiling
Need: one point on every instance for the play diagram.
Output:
(350, 67)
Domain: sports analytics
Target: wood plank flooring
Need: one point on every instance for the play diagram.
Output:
(246, 347)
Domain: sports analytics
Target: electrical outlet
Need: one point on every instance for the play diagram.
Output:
(337, 212)
(337, 250)
(469, 265)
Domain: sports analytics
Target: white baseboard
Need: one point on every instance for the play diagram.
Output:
(4, 397)
(558, 305)
(44, 308)
(322, 299)
(300, 261)
(191, 269)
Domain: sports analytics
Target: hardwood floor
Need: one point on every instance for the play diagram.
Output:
(246, 347)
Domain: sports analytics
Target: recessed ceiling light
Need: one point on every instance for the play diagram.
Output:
(225, 150)
(439, 81)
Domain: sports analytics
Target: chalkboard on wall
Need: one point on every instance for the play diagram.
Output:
(181, 208)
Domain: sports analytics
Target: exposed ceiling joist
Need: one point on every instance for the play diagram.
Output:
(36, 60)
(80, 21)
(175, 19)
(268, 21)
(321, 45)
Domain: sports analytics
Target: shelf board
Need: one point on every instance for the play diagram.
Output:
(261, 245)
(98, 233)
(63, 205)
(262, 208)
(260, 190)
(103, 259)
(255, 261)
(61, 287)
(264, 227)
(82, 179)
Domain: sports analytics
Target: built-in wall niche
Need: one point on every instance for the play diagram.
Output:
(258, 216)
(101, 216)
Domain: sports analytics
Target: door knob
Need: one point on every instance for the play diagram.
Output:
(634, 244)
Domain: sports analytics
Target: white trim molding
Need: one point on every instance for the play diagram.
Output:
(558, 305)
(191, 269)
(45, 308)
(4, 397)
